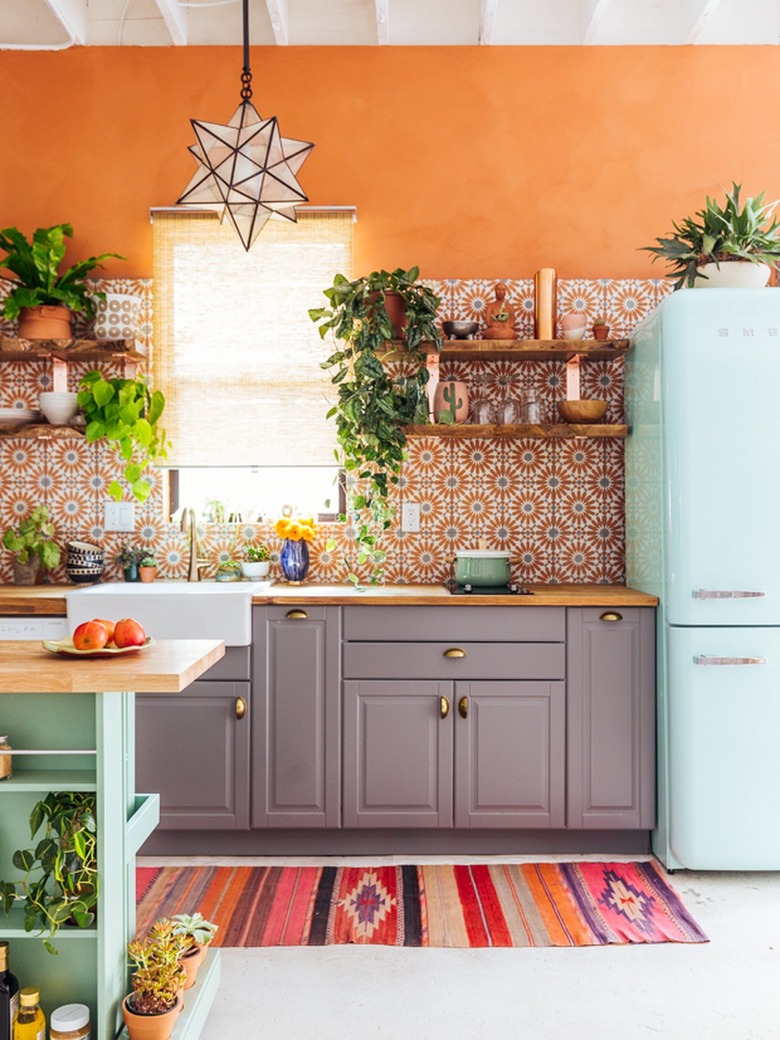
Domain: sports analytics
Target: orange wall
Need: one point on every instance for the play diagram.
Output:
(471, 162)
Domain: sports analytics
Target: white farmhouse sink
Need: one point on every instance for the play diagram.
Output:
(173, 609)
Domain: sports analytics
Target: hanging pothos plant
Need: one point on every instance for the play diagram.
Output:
(127, 414)
(376, 403)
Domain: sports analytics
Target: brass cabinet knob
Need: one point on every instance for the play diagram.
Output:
(240, 707)
(296, 614)
(454, 651)
(444, 707)
(463, 707)
(611, 615)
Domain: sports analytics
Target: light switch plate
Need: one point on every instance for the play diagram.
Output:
(410, 517)
(119, 516)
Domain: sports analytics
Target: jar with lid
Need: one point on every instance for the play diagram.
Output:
(70, 1022)
(30, 1022)
(6, 768)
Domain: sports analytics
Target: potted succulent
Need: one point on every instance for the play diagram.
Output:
(196, 934)
(157, 982)
(228, 570)
(128, 559)
(32, 546)
(147, 567)
(745, 240)
(375, 402)
(43, 297)
(600, 329)
(127, 414)
(60, 883)
(258, 561)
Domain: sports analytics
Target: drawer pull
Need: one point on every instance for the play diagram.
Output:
(444, 707)
(240, 707)
(455, 651)
(463, 707)
(611, 615)
(296, 614)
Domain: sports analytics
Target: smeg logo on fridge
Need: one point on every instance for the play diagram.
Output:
(748, 332)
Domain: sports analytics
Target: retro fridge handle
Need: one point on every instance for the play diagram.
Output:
(725, 594)
(707, 659)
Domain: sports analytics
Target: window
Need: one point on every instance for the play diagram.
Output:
(238, 357)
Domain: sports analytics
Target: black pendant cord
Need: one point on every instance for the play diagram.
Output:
(246, 75)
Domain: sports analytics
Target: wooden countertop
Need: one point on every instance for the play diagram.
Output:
(49, 600)
(166, 667)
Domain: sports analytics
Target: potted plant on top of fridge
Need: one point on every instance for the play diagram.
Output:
(43, 296)
(745, 241)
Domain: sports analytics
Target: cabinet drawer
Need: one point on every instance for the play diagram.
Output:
(494, 624)
(429, 661)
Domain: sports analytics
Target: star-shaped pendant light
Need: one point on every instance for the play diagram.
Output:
(246, 169)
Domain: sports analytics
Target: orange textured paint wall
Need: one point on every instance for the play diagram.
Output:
(471, 162)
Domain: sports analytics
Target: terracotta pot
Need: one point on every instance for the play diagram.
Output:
(451, 398)
(30, 573)
(601, 332)
(44, 322)
(147, 573)
(396, 312)
(150, 1027)
(191, 961)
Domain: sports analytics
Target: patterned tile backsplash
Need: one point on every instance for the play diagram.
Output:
(557, 505)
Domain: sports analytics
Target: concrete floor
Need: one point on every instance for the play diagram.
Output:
(727, 989)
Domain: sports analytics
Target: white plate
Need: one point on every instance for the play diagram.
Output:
(65, 646)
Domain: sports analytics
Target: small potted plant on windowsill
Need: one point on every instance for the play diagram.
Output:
(128, 559)
(147, 568)
(32, 547)
(257, 563)
(196, 934)
(157, 982)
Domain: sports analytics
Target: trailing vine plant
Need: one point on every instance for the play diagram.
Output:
(376, 402)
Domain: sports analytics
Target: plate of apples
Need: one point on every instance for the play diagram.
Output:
(102, 638)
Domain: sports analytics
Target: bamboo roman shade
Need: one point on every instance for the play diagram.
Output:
(235, 351)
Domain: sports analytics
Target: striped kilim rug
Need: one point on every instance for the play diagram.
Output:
(529, 904)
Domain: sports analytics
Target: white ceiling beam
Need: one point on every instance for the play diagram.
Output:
(382, 16)
(280, 21)
(175, 20)
(594, 13)
(487, 21)
(702, 11)
(73, 15)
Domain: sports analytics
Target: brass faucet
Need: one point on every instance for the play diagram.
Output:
(190, 526)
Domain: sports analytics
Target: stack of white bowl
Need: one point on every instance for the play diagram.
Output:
(59, 407)
(18, 416)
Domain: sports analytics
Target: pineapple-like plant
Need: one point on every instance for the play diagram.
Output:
(158, 974)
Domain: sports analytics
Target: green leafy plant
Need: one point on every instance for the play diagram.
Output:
(157, 975)
(375, 403)
(720, 234)
(194, 928)
(126, 413)
(60, 883)
(33, 537)
(148, 560)
(36, 263)
(257, 553)
(129, 555)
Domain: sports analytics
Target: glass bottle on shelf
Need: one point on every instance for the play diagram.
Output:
(482, 410)
(9, 994)
(533, 411)
(30, 1023)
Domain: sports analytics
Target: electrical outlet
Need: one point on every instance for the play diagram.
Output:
(410, 517)
(119, 516)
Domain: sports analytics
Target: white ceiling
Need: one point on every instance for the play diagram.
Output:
(58, 24)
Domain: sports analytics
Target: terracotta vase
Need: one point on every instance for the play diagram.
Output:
(44, 322)
(147, 573)
(150, 1027)
(451, 399)
(30, 573)
(191, 961)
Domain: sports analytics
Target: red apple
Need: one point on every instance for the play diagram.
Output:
(128, 632)
(90, 635)
(109, 625)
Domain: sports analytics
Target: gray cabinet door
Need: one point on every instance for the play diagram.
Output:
(296, 731)
(397, 753)
(611, 717)
(510, 754)
(194, 749)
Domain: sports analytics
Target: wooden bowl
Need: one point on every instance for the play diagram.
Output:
(582, 411)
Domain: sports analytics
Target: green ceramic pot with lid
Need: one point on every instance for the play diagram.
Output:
(482, 567)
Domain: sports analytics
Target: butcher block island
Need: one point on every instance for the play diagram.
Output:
(71, 725)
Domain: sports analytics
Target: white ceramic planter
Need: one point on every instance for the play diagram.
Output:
(256, 570)
(733, 274)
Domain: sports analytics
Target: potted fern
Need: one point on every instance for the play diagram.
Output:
(375, 401)
(43, 296)
(745, 239)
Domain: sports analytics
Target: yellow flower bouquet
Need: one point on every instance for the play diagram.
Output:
(296, 529)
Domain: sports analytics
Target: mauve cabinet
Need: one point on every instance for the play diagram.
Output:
(296, 746)
(193, 747)
(611, 718)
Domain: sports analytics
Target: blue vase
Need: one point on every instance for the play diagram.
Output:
(294, 559)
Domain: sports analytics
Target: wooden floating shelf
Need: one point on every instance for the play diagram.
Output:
(537, 430)
(532, 349)
(68, 349)
(40, 432)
